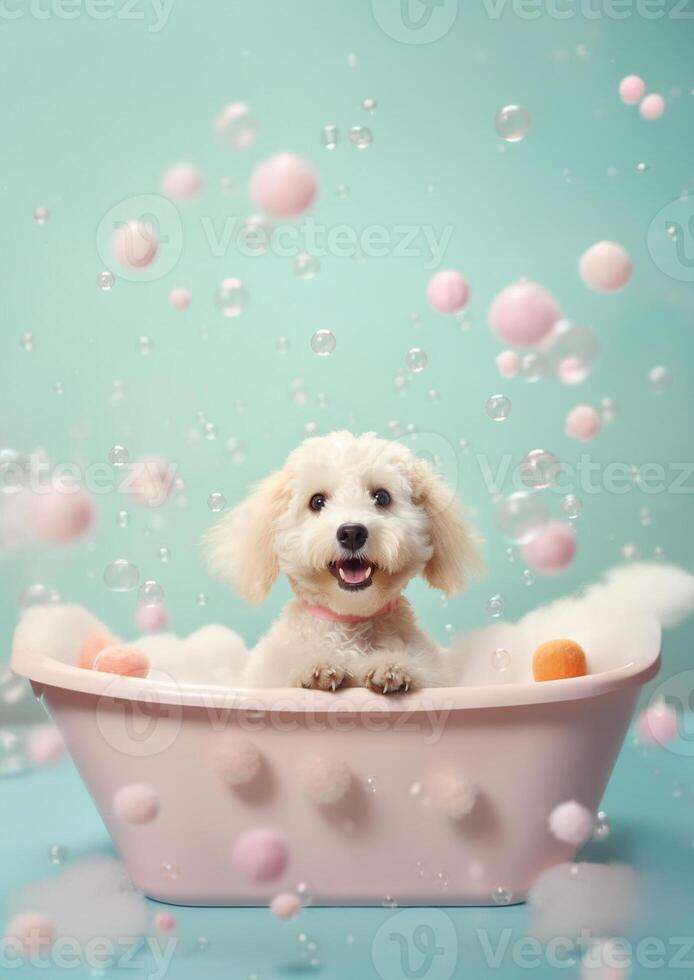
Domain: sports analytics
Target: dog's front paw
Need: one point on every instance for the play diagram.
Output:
(388, 679)
(324, 677)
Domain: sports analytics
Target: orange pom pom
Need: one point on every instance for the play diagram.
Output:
(94, 643)
(559, 659)
(123, 660)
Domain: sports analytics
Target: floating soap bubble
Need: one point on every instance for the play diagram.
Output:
(13, 689)
(528, 577)
(255, 236)
(57, 853)
(216, 502)
(232, 297)
(37, 595)
(609, 410)
(323, 343)
(209, 430)
(572, 506)
(521, 515)
(532, 367)
(369, 105)
(502, 896)
(329, 137)
(306, 266)
(361, 137)
(352, 60)
(122, 518)
(495, 606)
(59, 388)
(416, 359)
(512, 123)
(572, 351)
(282, 345)
(202, 599)
(150, 593)
(659, 379)
(236, 449)
(601, 828)
(12, 757)
(121, 576)
(237, 126)
(118, 456)
(105, 280)
(145, 346)
(501, 659)
(539, 469)
(164, 554)
(498, 408)
(41, 215)
(26, 342)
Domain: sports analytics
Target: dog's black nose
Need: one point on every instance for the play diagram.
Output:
(352, 536)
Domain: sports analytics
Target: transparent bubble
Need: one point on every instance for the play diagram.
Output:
(361, 137)
(323, 343)
(202, 599)
(306, 266)
(642, 168)
(342, 191)
(645, 516)
(501, 659)
(209, 430)
(236, 449)
(532, 367)
(255, 236)
(389, 902)
(502, 896)
(282, 345)
(13, 689)
(371, 783)
(59, 388)
(540, 469)
(57, 853)
(202, 942)
(498, 408)
(572, 506)
(573, 352)
(121, 576)
(41, 215)
(169, 870)
(216, 502)
(232, 297)
(26, 342)
(609, 410)
(118, 456)
(122, 518)
(601, 827)
(416, 359)
(495, 606)
(105, 280)
(150, 593)
(352, 60)
(520, 515)
(145, 346)
(37, 595)
(329, 137)
(369, 105)
(659, 379)
(512, 123)
(237, 126)
(164, 554)
(12, 757)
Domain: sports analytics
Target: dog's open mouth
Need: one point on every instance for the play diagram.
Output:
(353, 574)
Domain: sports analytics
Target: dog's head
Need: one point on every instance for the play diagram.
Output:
(350, 520)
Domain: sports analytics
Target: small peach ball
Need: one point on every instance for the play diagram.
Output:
(179, 298)
(652, 107)
(237, 761)
(94, 642)
(260, 855)
(552, 549)
(558, 660)
(571, 822)
(605, 267)
(283, 186)
(182, 181)
(657, 725)
(135, 245)
(285, 906)
(523, 314)
(123, 660)
(508, 363)
(44, 745)
(325, 780)
(165, 923)
(136, 804)
(31, 933)
(151, 617)
(632, 89)
(448, 291)
(583, 423)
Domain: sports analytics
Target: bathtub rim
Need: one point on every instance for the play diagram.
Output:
(45, 671)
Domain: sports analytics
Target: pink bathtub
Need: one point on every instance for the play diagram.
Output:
(526, 747)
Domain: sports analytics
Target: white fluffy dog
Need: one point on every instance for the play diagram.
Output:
(349, 520)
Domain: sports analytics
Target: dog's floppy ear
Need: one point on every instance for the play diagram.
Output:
(241, 547)
(456, 554)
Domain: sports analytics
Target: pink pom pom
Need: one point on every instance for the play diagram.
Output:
(605, 267)
(448, 291)
(165, 923)
(508, 363)
(326, 781)
(137, 803)
(285, 906)
(151, 481)
(179, 299)
(151, 617)
(123, 660)
(60, 512)
(260, 855)
(583, 423)
(452, 794)
(632, 89)
(652, 107)
(93, 643)
(44, 745)
(523, 314)
(552, 549)
(32, 933)
(283, 186)
(571, 822)
(182, 182)
(657, 725)
(237, 761)
(135, 245)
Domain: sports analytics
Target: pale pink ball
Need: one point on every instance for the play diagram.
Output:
(60, 512)
(605, 267)
(448, 291)
(285, 906)
(452, 794)
(135, 245)
(236, 760)
(151, 481)
(631, 89)
(571, 822)
(652, 107)
(44, 745)
(182, 182)
(165, 923)
(583, 423)
(284, 185)
(325, 780)
(151, 617)
(31, 932)
(508, 363)
(523, 314)
(123, 660)
(572, 370)
(136, 804)
(552, 549)
(260, 855)
(657, 725)
(179, 298)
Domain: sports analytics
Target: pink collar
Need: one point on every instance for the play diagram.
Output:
(322, 612)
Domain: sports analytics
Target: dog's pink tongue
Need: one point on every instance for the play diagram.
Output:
(355, 575)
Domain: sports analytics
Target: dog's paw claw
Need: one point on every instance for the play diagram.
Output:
(323, 677)
(389, 679)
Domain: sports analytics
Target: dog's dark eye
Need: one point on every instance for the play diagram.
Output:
(317, 501)
(381, 498)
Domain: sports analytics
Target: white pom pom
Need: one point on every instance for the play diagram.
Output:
(452, 794)
(237, 761)
(326, 781)
(571, 822)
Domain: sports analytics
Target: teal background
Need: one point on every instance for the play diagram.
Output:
(95, 110)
